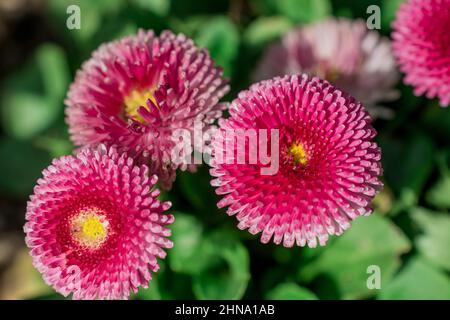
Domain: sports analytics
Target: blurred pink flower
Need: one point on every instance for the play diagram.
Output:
(135, 92)
(341, 51)
(329, 166)
(421, 42)
(94, 226)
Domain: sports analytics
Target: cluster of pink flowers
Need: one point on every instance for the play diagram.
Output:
(95, 226)
(135, 92)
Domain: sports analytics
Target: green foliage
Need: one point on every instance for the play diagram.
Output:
(388, 9)
(190, 252)
(221, 37)
(158, 7)
(438, 194)
(19, 174)
(408, 162)
(290, 291)
(265, 29)
(304, 10)
(345, 261)
(228, 274)
(93, 14)
(418, 281)
(434, 243)
(32, 98)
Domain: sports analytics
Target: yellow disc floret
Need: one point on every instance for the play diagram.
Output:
(298, 153)
(93, 228)
(89, 228)
(137, 98)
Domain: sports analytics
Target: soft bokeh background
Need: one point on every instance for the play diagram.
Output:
(408, 237)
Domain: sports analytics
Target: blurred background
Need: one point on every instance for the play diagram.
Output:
(408, 237)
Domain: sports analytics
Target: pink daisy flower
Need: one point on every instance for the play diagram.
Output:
(422, 47)
(94, 226)
(329, 166)
(135, 92)
(342, 51)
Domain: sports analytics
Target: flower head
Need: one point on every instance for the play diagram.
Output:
(341, 51)
(94, 226)
(135, 92)
(421, 42)
(328, 163)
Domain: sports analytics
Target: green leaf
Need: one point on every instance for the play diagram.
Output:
(25, 114)
(54, 71)
(417, 281)
(28, 109)
(189, 26)
(265, 29)
(388, 11)
(290, 291)
(304, 10)
(189, 253)
(56, 147)
(408, 164)
(91, 15)
(150, 293)
(221, 37)
(372, 240)
(202, 197)
(437, 121)
(438, 194)
(228, 274)
(434, 243)
(159, 7)
(185, 181)
(20, 166)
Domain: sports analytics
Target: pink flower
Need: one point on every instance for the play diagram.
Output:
(94, 226)
(328, 163)
(135, 92)
(422, 46)
(341, 51)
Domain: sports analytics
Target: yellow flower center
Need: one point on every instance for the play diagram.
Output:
(298, 153)
(138, 98)
(329, 73)
(332, 75)
(90, 228)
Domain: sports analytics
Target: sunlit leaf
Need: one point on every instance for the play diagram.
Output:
(228, 274)
(434, 243)
(388, 11)
(372, 240)
(438, 194)
(29, 108)
(304, 10)
(189, 254)
(417, 281)
(221, 37)
(265, 29)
